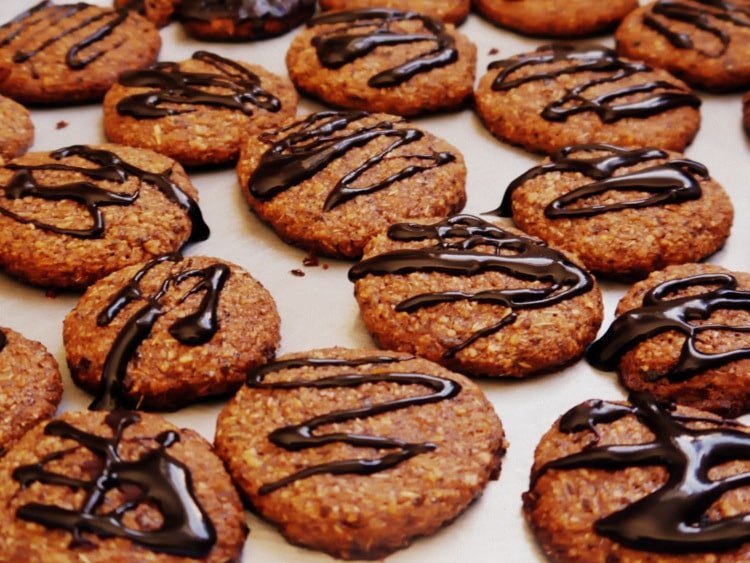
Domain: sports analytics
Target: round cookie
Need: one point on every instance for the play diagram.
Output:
(641, 482)
(368, 59)
(704, 42)
(330, 181)
(16, 129)
(159, 12)
(406, 447)
(449, 11)
(68, 53)
(169, 332)
(476, 298)
(72, 216)
(242, 20)
(623, 212)
(683, 335)
(553, 18)
(116, 487)
(30, 386)
(560, 95)
(197, 111)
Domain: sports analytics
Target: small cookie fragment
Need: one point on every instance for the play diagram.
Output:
(560, 95)
(30, 386)
(641, 481)
(169, 332)
(623, 212)
(159, 12)
(196, 111)
(553, 18)
(449, 11)
(476, 298)
(330, 181)
(16, 129)
(683, 335)
(358, 452)
(120, 486)
(72, 216)
(242, 20)
(68, 53)
(706, 43)
(368, 59)
(746, 112)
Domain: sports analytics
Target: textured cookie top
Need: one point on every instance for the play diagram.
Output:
(684, 333)
(356, 452)
(622, 211)
(72, 52)
(16, 129)
(644, 481)
(78, 213)
(169, 332)
(120, 486)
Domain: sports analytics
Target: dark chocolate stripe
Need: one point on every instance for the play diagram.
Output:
(162, 481)
(301, 436)
(672, 518)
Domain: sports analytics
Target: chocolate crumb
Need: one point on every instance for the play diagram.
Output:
(50, 294)
(325, 266)
(310, 260)
(298, 273)
(494, 51)
(62, 124)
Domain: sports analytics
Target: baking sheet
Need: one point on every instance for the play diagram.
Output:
(319, 310)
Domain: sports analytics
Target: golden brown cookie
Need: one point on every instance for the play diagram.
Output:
(30, 386)
(197, 111)
(368, 59)
(358, 452)
(242, 20)
(476, 298)
(449, 11)
(639, 482)
(560, 95)
(330, 181)
(704, 42)
(623, 212)
(72, 216)
(683, 334)
(169, 332)
(159, 12)
(115, 487)
(67, 53)
(553, 18)
(16, 129)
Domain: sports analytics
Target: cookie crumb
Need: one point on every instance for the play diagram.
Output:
(325, 266)
(50, 294)
(493, 51)
(62, 124)
(298, 273)
(311, 261)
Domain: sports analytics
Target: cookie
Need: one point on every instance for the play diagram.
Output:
(16, 129)
(560, 95)
(158, 12)
(552, 18)
(74, 215)
(476, 298)
(449, 11)
(623, 212)
(242, 20)
(119, 486)
(704, 42)
(68, 53)
(369, 59)
(30, 386)
(683, 335)
(406, 447)
(641, 481)
(169, 332)
(197, 111)
(330, 181)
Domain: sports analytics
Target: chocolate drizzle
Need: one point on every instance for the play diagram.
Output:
(3, 342)
(658, 95)
(660, 314)
(344, 45)
(322, 138)
(110, 168)
(254, 12)
(192, 330)
(698, 17)
(670, 182)
(51, 15)
(161, 481)
(672, 518)
(174, 86)
(454, 253)
(302, 436)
